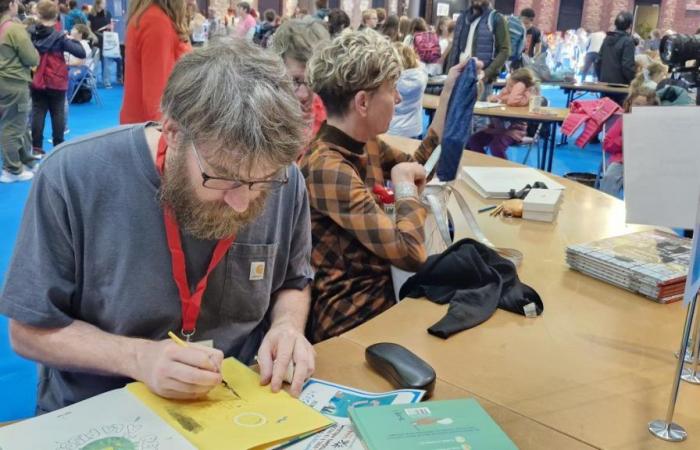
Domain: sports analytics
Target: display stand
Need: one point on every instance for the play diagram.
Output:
(667, 429)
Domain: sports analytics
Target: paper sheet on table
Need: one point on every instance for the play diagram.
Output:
(335, 401)
(487, 105)
(662, 165)
(115, 419)
(222, 420)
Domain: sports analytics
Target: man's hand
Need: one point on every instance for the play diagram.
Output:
(409, 172)
(285, 343)
(176, 372)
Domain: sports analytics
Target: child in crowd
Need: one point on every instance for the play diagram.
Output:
(650, 76)
(78, 66)
(427, 46)
(612, 182)
(443, 32)
(199, 26)
(50, 80)
(499, 135)
(408, 114)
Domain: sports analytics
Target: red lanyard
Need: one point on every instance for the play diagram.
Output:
(191, 302)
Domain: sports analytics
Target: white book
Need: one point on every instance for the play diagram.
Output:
(542, 200)
(115, 419)
(496, 182)
(539, 216)
(487, 105)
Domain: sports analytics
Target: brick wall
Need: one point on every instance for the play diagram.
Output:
(682, 16)
(547, 12)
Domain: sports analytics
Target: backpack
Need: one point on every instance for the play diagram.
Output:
(427, 46)
(517, 37)
(51, 72)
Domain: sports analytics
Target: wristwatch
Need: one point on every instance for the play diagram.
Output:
(405, 190)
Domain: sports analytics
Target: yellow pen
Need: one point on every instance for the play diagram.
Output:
(177, 340)
(182, 343)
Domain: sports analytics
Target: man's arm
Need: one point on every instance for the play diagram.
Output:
(286, 343)
(502, 37)
(628, 64)
(168, 369)
(392, 156)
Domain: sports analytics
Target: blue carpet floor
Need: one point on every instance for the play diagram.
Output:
(18, 377)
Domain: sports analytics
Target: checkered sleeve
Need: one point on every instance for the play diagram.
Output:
(392, 156)
(337, 191)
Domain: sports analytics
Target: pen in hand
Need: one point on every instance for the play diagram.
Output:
(182, 343)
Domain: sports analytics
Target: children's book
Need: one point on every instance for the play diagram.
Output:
(440, 425)
(240, 414)
(335, 402)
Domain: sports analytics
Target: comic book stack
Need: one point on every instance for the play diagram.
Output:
(651, 263)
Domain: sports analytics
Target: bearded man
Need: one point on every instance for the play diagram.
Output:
(197, 225)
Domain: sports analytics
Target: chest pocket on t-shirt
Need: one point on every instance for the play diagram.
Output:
(249, 270)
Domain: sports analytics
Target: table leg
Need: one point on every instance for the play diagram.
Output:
(553, 138)
(569, 99)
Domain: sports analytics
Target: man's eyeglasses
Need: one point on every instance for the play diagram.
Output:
(227, 184)
(299, 83)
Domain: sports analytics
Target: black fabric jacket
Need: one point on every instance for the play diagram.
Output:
(616, 62)
(475, 281)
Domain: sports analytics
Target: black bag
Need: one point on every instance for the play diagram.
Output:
(84, 95)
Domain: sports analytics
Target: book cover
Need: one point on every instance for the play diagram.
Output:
(335, 401)
(656, 256)
(440, 425)
(115, 419)
(242, 415)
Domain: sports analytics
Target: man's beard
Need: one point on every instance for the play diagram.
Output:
(207, 220)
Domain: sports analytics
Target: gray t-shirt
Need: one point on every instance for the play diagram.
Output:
(92, 247)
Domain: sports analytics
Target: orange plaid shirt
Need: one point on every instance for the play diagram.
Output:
(354, 241)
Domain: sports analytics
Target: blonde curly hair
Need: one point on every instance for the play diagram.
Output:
(353, 62)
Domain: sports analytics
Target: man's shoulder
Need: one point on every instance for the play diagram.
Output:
(106, 147)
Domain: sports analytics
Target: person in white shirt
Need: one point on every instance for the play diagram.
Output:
(81, 33)
(595, 42)
(408, 113)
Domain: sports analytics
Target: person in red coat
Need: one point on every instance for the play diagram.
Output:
(157, 36)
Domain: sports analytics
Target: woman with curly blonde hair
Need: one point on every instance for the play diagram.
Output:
(157, 35)
(355, 240)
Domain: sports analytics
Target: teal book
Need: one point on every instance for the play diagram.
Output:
(440, 425)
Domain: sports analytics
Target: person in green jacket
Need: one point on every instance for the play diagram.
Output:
(17, 57)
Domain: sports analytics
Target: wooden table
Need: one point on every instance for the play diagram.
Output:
(341, 361)
(549, 117)
(570, 89)
(596, 366)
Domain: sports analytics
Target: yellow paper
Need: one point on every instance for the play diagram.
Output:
(222, 420)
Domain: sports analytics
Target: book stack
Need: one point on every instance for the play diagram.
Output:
(651, 263)
(497, 182)
(542, 205)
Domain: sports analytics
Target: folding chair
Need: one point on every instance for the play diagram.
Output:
(88, 79)
(533, 138)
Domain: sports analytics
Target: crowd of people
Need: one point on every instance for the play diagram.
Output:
(237, 203)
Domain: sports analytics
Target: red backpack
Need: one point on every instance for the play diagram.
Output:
(427, 46)
(52, 72)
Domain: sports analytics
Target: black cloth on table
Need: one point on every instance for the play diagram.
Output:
(475, 281)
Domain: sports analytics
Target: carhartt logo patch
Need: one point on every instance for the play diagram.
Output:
(257, 270)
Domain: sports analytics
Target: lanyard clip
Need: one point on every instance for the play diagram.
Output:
(188, 334)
